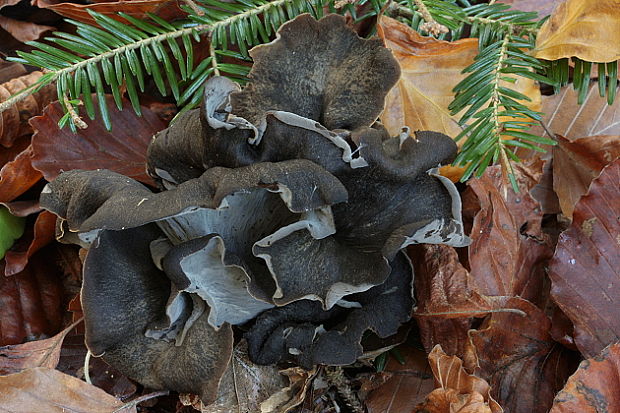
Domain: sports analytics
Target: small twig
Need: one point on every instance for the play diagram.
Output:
(142, 399)
(74, 116)
(87, 367)
(471, 313)
(336, 378)
(547, 129)
(197, 10)
(386, 6)
(216, 70)
(429, 25)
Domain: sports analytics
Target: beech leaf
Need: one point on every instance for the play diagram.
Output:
(581, 28)
(585, 270)
(24, 31)
(38, 237)
(430, 69)
(17, 176)
(40, 353)
(31, 302)
(564, 116)
(167, 10)
(44, 390)
(576, 163)
(594, 386)
(520, 360)
(415, 375)
(446, 299)
(122, 150)
(509, 251)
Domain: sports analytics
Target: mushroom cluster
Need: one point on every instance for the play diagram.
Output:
(283, 209)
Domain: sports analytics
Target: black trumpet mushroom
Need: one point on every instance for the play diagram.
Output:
(283, 208)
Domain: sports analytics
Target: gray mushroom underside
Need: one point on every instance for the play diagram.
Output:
(122, 295)
(297, 332)
(198, 266)
(106, 200)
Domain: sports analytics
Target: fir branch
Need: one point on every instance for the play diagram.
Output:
(125, 52)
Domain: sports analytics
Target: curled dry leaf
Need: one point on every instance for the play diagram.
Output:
(31, 302)
(24, 31)
(581, 28)
(446, 299)
(576, 163)
(520, 360)
(14, 120)
(245, 385)
(585, 270)
(18, 176)
(456, 390)
(38, 237)
(594, 386)
(10, 70)
(168, 10)
(291, 396)
(40, 353)
(122, 150)
(407, 385)
(509, 251)
(44, 390)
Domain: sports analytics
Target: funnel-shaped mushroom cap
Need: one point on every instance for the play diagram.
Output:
(123, 295)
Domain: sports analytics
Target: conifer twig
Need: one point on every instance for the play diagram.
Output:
(429, 25)
(77, 120)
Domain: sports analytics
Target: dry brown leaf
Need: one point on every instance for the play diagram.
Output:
(10, 70)
(407, 385)
(24, 31)
(457, 390)
(4, 3)
(14, 120)
(102, 375)
(18, 176)
(430, 69)
(34, 239)
(509, 251)
(519, 359)
(121, 150)
(9, 154)
(585, 270)
(40, 353)
(564, 116)
(588, 29)
(594, 386)
(245, 385)
(44, 390)
(542, 7)
(576, 163)
(31, 301)
(291, 396)
(167, 10)
(451, 401)
(445, 298)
